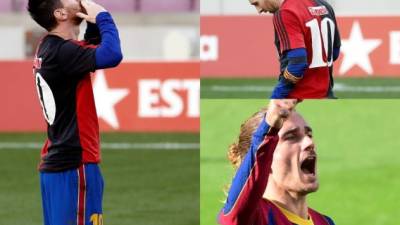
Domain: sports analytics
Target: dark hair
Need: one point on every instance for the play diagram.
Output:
(42, 11)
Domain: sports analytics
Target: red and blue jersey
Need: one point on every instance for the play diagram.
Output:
(62, 71)
(245, 204)
(308, 24)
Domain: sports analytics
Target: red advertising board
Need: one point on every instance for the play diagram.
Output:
(243, 46)
(138, 97)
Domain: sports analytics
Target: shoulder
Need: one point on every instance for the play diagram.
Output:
(49, 47)
(286, 16)
(320, 218)
(291, 8)
(330, 221)
(68, 45)
(54, 45)
(70, 48)
(82, 44)
(292, 5)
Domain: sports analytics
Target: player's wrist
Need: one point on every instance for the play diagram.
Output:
(274, 121)
(270, 130)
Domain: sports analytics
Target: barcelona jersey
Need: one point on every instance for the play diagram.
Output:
(245, 204)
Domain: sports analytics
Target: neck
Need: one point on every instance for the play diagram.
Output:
(294, 202)
(66, 31)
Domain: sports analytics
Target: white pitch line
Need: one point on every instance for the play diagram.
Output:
(369, 89)
(112, 146)
(338, 88)
(241, 88)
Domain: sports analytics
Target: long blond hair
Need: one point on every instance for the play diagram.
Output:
(238, 150)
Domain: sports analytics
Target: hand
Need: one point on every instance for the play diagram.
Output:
(279, 110)
(92, 10)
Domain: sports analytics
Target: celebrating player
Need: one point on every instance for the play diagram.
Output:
(276, 162)
(308, 42)
(71, 182)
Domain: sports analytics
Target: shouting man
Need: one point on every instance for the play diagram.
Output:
(276, 164)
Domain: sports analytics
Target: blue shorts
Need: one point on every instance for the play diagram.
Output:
(73, 197)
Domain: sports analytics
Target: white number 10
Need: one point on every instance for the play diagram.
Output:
(316, 33)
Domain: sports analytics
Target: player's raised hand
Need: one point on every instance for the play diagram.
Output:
(92, 10)
(279, 110)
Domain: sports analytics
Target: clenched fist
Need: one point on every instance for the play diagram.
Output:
(279, 110)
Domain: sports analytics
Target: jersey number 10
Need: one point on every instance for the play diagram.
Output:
(327, 28)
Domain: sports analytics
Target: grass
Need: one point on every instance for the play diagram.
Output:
(371, 87)
(148, 187)
(357, 143)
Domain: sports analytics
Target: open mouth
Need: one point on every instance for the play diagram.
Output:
(308, 165)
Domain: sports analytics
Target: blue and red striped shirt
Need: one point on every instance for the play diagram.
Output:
(245, 204)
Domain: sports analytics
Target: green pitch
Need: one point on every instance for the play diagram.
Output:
(261, 88)
(144, 187)
(358, 146)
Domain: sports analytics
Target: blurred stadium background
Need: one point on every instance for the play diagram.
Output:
(239, 59)
(148, 111)
(357, 146)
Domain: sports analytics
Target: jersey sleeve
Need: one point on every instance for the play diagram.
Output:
(76, 60)
(289, 30)
(251, 179)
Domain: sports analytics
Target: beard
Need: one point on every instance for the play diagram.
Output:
(77, 20)
(73, 10)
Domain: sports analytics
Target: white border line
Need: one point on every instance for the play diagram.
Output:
(111, 146)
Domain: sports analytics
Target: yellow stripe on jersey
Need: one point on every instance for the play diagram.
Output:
(295, 218)
(292, 78)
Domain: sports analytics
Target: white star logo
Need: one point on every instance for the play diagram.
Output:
(356, 50)
(106, 99)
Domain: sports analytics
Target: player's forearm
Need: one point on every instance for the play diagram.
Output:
(251, 179)
(297, 65)
(92, 34)
(109, 53)
(293, 73)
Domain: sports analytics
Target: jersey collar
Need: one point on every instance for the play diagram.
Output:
(293, 217)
